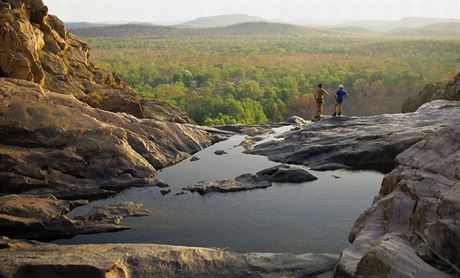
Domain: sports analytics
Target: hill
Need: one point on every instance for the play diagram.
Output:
(221, 20)
(81, 25)
(450, 29)
(387, 25)
(242, 29)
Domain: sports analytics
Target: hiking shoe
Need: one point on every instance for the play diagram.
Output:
(340, 113)
(335, 114)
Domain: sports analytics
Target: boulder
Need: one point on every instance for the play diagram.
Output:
(413, 227)
(360, 142)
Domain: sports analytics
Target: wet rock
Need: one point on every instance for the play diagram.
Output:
(449, 91)
(220, 152)
(194, 158)
(411, 229)
(165, 191)
(360, 142)
(180, 193)
(329, 167)
(286, 173)
(240, 183)
(151, 260)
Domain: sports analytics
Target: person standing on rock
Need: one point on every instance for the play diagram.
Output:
(319, 97)
(339, 96)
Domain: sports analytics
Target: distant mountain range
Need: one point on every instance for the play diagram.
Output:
(240, 24)
(221, 20)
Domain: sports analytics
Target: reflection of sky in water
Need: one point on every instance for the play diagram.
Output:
(309, 217)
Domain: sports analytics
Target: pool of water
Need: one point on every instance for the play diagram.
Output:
(299, 218)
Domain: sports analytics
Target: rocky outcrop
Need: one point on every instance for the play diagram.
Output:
(262, 179)
(35, 46)
(43, 217)
(152, 260)
(413, 227)
(360, 142)
(447, 91)
(53, 143)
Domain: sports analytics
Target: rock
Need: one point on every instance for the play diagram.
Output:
(161, 111)
(251, 130)
(180, 193)
(412, 229)
(194, 158)
(152, 260)
(53, 143)
(113, 213)
(240, 183)
(285, 173)
(165, 191)
(296, 120)
(220, 152)
(35, 46)
(160, 183)
(250, 141)
(329, 167)
(360, 142)
(449, 91)
(263, 179)
(41, 217)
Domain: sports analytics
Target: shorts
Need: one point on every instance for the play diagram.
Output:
(319, 101)
(339, 101)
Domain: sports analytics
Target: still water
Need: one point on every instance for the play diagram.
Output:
(298, 218)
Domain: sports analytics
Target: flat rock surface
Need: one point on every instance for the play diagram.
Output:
(136, 260)
(360, 142)
(41, 217)
(413, 227)
(286, 173)
(262, 179)
(240, 183)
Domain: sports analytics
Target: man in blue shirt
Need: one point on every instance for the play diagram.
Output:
(339, 96)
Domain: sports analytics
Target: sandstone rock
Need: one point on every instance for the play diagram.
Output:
(39, 217)
(240, 183)
(152, 260)
(412, 229)
(285, 173)
(296, 120)
(360, 142)
(449, 91)
(161, 111)
(250, 141)
(263, 179)
(53, 143)
(36, 47)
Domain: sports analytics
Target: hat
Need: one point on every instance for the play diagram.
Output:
(340, 86)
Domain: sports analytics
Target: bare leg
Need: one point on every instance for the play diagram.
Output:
(340, 108)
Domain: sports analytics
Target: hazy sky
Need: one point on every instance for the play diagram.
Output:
(326, 10)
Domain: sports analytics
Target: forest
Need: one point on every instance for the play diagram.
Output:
(247, 79)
